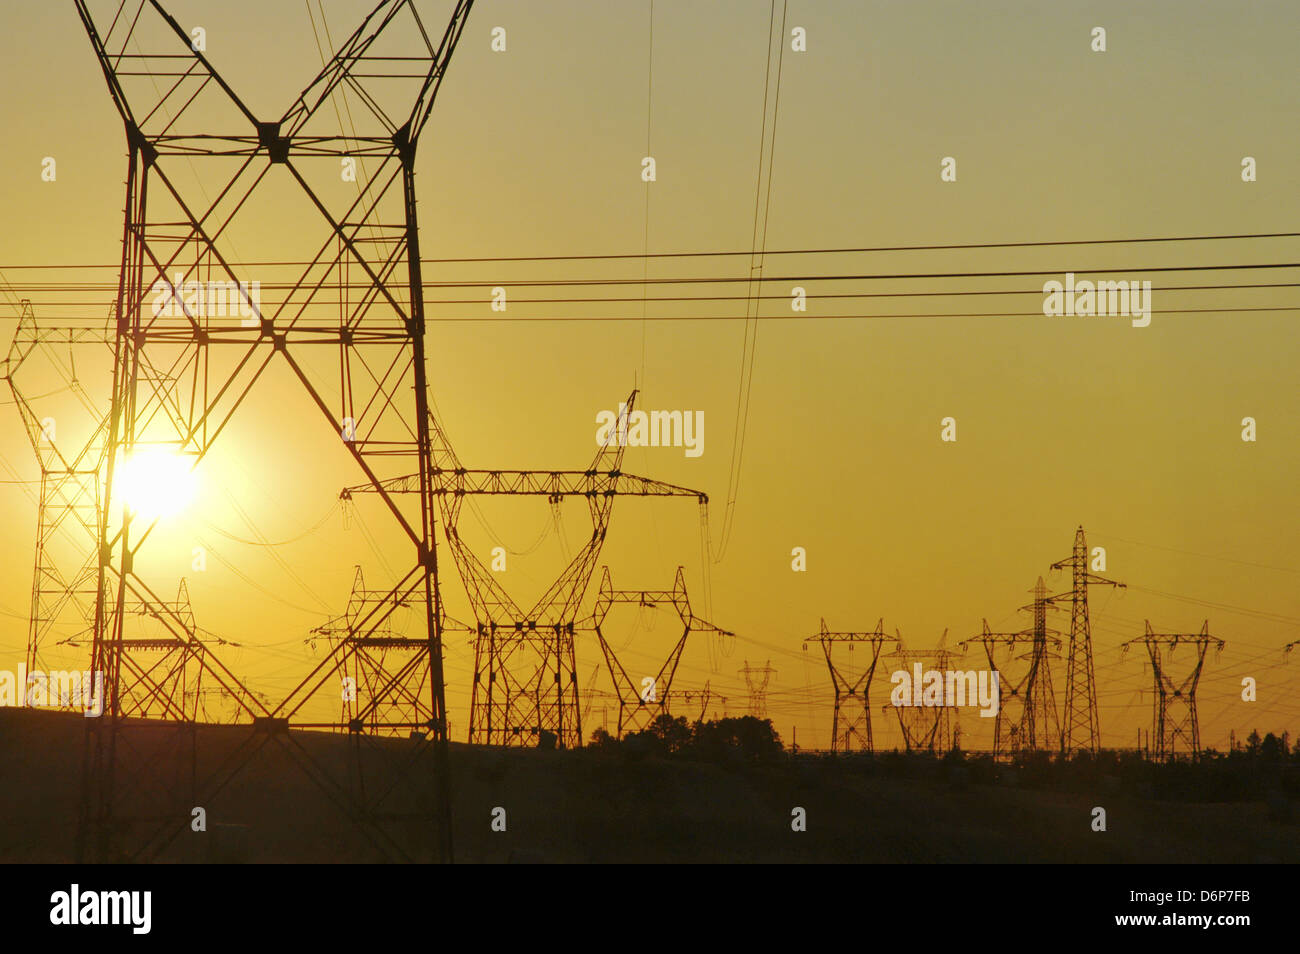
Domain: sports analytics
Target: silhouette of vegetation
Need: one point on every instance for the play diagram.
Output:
(744, 739)
(1265, 768)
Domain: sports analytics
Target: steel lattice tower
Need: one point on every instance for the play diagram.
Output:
(1026, 719)
(635, 711)
(361, 293)
(1174, 719)
(1080, 727)
(162, 649)
(388, 670)
(703, 697)
(857, 724)
(68, 506)
(756, 680)
(525, 661)
(924, 728)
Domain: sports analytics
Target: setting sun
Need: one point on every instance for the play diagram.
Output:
(157, 482)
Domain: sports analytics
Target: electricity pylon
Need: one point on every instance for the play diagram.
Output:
(642, 700)
(856, 722)
(1026, 718)
(385, 669)
(703, 697)
(525, 663)
(361, 293)
(924, 728)
(1080, 725)
(1174, 718)
(71, 467)
(163, 654)
(756, 680)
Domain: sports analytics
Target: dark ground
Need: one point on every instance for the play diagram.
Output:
(591, 806)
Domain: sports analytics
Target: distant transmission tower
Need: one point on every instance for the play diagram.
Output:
(925, 728)
(163, 657)
(385, 671)
(1026, 718)
(756, 680)
(703, 697)
(68, 506)
(851, 729)
(1080, 725)
(1174, 721)
(642, 698)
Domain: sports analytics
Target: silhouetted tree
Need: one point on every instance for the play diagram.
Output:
(748, 737)
(673, 734)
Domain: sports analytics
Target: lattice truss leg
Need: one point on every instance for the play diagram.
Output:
(187, 307)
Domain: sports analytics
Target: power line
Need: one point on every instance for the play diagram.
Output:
(878, 276)
(961, 246)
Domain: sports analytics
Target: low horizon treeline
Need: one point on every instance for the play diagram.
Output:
(1265, 767)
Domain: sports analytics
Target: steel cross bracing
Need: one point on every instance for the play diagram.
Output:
(163, 660)
(857, 722)
(68, 506)
(525, 662)
(756, 680)
(1174, 720)
(386, 672)
(703, 696)
(1026, 719)
(640, 704)
(924, 728)
(1080, 725)
(181, 115)
(69, 516)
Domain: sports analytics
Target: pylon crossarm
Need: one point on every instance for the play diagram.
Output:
(537, 483)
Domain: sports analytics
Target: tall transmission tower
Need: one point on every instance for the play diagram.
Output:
(641, 699)
(924, 728)
(756, 680)
(525, 664)
(1174, 721)
(851, 730)
(1080, 725)
(362, 294)
(1026, 719)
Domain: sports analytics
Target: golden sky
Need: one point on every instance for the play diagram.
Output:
(1135, 433)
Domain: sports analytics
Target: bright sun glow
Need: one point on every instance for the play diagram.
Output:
(157, 482)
